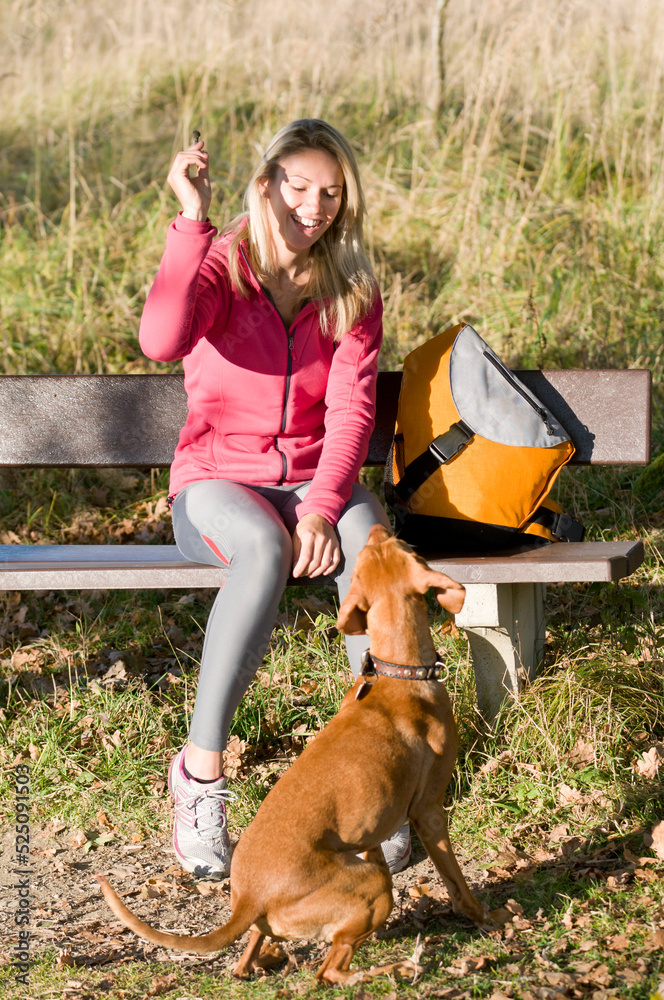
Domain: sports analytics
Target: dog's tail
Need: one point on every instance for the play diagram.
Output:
(241, 921)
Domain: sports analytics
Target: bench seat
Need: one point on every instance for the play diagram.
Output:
(134, 567)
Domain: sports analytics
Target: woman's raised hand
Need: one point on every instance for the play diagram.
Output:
(193, 192)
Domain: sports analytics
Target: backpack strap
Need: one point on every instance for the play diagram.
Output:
(562, 526)
(441, 450)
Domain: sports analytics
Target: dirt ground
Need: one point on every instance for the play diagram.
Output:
(69, 913)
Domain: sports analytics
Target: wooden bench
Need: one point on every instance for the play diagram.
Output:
(50, 421)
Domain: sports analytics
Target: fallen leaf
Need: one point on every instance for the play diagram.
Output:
(64, 959)
(630, 976)
(618, 942)
(514, 907)
(650, 762)
(162, 984)
(54, 827)
(503, 860)
(78, 838)
(495, 763)
(449, 627)
(600, 976)
(583, 968)
(417, 891)
(154, 888)
(122, 871)
(615, 879)
(658, 938)
(582, 752)
(657, 834)
(558, 978)
(568, 796)
(235, 748)
(210, 888)
(464, 966)
(559, 832)
(116, 672)
(645, 875)
(571, 846)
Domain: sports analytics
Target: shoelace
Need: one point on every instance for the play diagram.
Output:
(211, 818)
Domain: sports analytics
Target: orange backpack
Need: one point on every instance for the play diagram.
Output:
(475, 454)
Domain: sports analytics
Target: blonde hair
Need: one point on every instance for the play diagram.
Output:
(341, 280)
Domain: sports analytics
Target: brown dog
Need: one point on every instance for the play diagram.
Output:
(386, 756)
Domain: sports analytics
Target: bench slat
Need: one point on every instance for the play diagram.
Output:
(126, 567)
(564, 562)
(69, 421)
(75, 421)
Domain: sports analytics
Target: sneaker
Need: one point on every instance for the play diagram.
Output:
(200, 831)
(397, 849)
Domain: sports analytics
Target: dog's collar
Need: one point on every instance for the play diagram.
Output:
(372, 665)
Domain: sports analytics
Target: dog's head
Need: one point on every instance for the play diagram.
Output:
(387, 568)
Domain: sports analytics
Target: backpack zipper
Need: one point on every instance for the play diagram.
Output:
(507, 375)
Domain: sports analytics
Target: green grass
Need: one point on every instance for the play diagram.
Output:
(530, 206)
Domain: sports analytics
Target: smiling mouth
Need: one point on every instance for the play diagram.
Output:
(311, 225)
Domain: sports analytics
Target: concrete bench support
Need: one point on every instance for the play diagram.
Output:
(505, 625)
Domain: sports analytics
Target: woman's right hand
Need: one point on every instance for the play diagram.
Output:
(193, 193)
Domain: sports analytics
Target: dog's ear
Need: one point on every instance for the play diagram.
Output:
(449, 594)
(378, 533)
(352, 618)
(451, 597)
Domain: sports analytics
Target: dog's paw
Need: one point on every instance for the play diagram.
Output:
(271, 955)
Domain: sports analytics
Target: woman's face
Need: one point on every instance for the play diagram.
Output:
(304, 198)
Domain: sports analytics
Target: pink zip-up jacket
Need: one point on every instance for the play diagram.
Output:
(267, 405)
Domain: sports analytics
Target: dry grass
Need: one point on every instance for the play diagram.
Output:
(529, 202)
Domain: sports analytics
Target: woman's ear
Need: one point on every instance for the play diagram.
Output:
(263, 187)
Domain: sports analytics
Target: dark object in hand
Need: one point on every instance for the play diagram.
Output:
(196, 136)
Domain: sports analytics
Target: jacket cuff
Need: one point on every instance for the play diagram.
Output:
(192, 227)
(329, 505)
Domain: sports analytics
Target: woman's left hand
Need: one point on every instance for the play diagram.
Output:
(316, 547)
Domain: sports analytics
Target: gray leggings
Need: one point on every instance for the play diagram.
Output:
(249, 529)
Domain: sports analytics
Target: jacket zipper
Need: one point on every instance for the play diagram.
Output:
(539, 410)
(289, 372)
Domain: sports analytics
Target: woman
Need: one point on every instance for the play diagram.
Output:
(279, 326)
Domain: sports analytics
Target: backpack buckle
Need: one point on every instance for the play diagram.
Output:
(566, 529)
(447, 445)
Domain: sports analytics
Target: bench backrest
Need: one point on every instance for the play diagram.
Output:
(49, 421)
